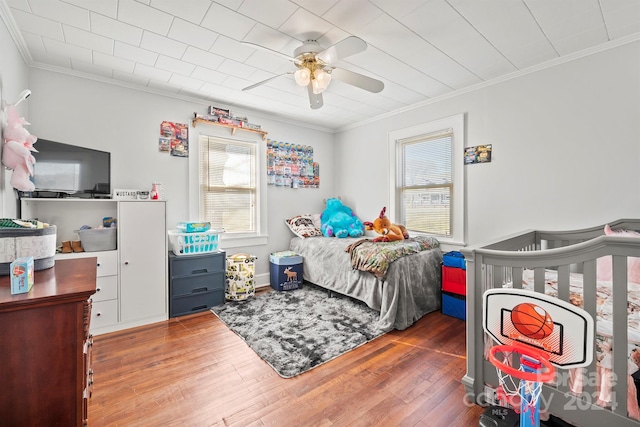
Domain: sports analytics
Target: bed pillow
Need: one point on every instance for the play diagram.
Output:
(303, 226)
(604, 264)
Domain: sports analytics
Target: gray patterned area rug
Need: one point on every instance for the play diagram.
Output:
(294, 331)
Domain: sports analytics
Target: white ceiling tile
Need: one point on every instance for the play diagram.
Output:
(416, 52)
(91, 69)
(115, 29)
(174, 65)
(232, 49)
(399, 8)
(443, 27)
(103, 7)
(570, 25)
(55, 47)
(55, 60)
(62, 12)
(110, 61)
(304, 25)
(163, 86)
(191, 10)
(38, 25)
(34, 42)
(270, 63)
(152, 73)
(140, 15)
(272, 13)
(135, 54)
(510, 27)
(215, 90)
(318, 7)
(161, 44)
(192, 34)
(233, 82)
(202, 58)
(352, 15)
(86, 39)
(268, 37)
(231, 4)
(184, 81)
(208, 75)
(622, 17)
(235, 68)
(227, 22)
(19, 4)
(130, 78)
(147, 2)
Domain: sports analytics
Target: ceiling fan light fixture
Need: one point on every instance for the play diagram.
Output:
(322, 77)
(302, 76)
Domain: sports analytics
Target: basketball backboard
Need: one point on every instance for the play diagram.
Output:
(563, 331)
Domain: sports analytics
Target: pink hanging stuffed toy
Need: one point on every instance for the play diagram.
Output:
(16, 151)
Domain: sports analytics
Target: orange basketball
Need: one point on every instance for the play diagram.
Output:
(531, 321)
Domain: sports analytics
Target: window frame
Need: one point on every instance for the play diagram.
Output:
(456, 123)
(231, 240)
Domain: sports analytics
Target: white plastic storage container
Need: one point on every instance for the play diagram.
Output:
(194, 243)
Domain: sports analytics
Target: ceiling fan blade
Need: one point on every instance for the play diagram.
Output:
(264, 81)
(315, 100)
(358, 80)
(274, 52)
(342, 49)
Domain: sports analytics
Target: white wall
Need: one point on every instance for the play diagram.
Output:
(126, 122)
(566, 147)
(14, 75)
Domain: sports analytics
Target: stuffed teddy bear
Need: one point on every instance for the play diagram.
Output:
(339, 220)
(16, 151)
(390, 232)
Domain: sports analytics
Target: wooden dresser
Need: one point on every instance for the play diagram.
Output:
(45, 348)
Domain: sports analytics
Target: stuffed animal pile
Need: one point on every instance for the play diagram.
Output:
(339, 220)
(16, 151)
(389, 232)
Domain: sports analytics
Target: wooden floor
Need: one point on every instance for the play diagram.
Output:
(193, 371)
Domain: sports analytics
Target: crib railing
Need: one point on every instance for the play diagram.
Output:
(502, 263)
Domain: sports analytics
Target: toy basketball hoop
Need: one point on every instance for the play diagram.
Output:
(534, 370)
(545, 332)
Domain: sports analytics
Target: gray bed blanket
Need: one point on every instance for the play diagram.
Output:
(411, 288)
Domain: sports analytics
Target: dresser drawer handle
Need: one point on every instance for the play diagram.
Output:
(199, 290)
(202, 270)
(200, 307)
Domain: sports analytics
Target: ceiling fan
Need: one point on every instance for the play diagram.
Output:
(315, 69)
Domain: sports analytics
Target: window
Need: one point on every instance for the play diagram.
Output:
(426, 183)
(228, 184)
(427, 188)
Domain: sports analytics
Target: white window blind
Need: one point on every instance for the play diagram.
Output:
(228, 189)
(426, 182)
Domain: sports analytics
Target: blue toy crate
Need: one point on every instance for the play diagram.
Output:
(454, 305)
(454, 259)
(194, 243)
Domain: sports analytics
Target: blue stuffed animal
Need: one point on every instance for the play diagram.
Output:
(339, 220)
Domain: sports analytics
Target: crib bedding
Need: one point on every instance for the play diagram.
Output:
(604, 301)
(410, 288)
(604, 332)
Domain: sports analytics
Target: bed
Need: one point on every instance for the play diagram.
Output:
(570, 265)
(403, 291)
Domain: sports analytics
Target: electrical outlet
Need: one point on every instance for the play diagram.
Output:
(490, 395)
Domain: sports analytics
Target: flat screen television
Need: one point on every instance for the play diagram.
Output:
(64, 170)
